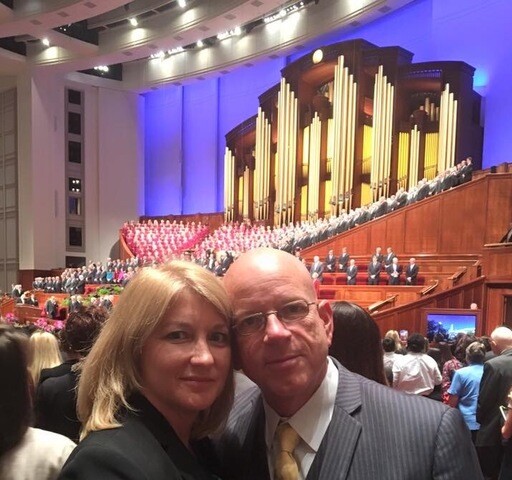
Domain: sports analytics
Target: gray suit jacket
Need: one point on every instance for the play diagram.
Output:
(375, 433)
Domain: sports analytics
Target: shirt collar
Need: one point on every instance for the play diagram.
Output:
(312, 419)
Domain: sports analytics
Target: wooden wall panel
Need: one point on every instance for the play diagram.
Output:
(495, 306)
(422, 227)
(463, 219)
(395, 229)
(499, 209)
(498, 263)
(379, 236)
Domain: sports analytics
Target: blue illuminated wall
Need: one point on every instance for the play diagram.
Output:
(185, 126)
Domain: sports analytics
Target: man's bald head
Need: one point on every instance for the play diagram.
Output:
(265, 261)
(501, 339)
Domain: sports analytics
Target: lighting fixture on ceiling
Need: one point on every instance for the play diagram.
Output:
(182, 3)
(45, 42)
(133, 22)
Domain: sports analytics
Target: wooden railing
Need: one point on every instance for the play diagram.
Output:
(409, 316)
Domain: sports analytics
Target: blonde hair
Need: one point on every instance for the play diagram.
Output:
(393, 334)
(110, 371)
(44, 354)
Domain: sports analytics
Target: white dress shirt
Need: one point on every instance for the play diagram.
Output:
(416, 373)
(310, 422)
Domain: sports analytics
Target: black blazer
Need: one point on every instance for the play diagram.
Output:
(145, 447)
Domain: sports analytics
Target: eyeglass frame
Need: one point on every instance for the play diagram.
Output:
(265, 316)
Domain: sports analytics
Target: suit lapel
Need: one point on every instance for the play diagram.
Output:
(334, 457)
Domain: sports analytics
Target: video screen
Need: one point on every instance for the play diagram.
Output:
(449, 325)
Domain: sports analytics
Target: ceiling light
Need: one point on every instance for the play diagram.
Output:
(199, 44)
(237, 31)
(133, 22)
(182, 3)
(46, 42)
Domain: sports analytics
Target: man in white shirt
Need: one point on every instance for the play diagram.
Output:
(344, 426)
(416, 373)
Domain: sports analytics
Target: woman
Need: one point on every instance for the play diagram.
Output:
(45, 354)
(356, 342)
(25, 453)
(399, 348)
(157, 380)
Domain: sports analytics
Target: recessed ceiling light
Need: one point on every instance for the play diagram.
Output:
(46, 42)
(182, 3)
(133, 22)
(200, 44)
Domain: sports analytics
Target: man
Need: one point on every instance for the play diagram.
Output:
(52, 308)
(416, 373)
(342, 425)
(394, 271)
(494, 387)
(318, 268)
(379, 255)
(330, 262)
(388, 259)
(352, 272)
(411, 272)
(374, 269)
(343, 260)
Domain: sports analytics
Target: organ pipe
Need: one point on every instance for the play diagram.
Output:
(447, 130)
(344, 111)
(414, 157)
(382, 132)
(229, 185)
(314, 167)
(286, 153)
(262, 167)
(403, 159)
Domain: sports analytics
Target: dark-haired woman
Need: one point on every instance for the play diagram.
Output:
(25, 453)
(356, 342)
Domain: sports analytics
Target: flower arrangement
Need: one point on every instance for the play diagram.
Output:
(41, 323)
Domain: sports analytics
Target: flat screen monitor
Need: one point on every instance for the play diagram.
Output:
(450, 322)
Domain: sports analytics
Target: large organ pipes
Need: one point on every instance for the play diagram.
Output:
(286, 153)
(314, 167)
(262, 167)
(382, 134)
(403, 159)
(414, 157)
(344, 108)
(431, 148)
(229, 185)
(447, 130)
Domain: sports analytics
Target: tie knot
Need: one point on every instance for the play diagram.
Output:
(287, 437)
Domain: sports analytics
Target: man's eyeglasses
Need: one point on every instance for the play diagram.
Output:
(289, 313)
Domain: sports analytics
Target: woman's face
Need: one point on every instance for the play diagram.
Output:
(186, 360)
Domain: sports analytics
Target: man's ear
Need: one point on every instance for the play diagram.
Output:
(325, 313)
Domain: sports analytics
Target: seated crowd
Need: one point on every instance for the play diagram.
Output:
(156, 241)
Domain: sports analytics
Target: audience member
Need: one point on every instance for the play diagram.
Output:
(356, 341)
(55, 404)
(343, 425)
(389, 358)
(399, 346)
(494, 388)
(159, 374)
(466, 385)
(25, 453)
(45, 354)
(416, 373)
(455, 363)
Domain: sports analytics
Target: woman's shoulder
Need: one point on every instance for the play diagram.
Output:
(40, 455)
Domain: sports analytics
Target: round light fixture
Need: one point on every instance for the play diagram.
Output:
(318, 56)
